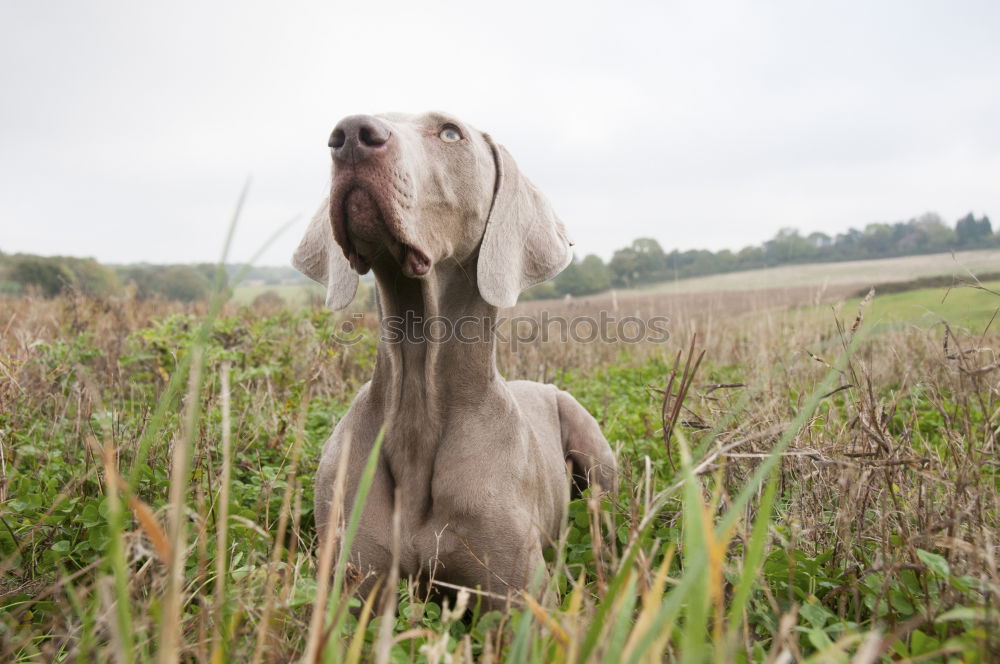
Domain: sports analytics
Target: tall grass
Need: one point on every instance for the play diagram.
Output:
(807, 493)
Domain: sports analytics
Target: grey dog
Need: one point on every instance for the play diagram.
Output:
(450, 228)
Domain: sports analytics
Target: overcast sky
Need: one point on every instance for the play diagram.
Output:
(127, 129)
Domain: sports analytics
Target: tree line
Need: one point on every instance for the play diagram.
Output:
(645, 262)
(51, 275)
(642, 262)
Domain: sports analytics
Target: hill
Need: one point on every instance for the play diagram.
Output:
(860, 273)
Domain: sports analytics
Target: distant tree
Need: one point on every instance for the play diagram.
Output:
(212, 273)
(624, 267)
(725, 256)
(703, 262)
(543, 291)
(570, 281)
(584, 277)
(934, 234)
(184, 283)
(142, 278)
(49, 275)
(971, 231)
(788, 247)
(876, 240)
(750, 258)
(595, 273)
(907, 237)
(93, 278)
(173, 282)
(641, 262)
(819, 240)
(847, 245)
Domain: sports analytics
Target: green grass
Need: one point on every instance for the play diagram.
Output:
(964, 307)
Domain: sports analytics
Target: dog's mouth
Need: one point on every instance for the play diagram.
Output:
(367, 234)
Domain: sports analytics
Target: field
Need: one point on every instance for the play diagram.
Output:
(303, 294)
(822, 486)
(968, 308)
(293, 294)
(883, 270)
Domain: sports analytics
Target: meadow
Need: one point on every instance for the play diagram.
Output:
(883, 270)
(806, 476)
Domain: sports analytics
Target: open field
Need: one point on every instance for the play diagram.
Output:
(818, 280)
(855, 273)
(296, 295)
(823, 488)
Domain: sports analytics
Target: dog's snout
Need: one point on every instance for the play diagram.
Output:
(357, 137)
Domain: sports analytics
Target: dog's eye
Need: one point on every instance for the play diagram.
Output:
(450, 134)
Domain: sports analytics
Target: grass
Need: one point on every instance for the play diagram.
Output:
(293, 294)
(968, 308)
(276, 296)
(816, 489)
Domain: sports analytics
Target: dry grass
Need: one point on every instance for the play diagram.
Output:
(889, 471)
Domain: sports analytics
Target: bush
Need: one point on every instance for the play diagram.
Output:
(52, 275)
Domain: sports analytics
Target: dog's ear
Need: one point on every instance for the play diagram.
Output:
(524, 243)
(320, 258)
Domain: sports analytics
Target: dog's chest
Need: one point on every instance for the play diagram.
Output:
(425, 522)
(410, 456)
(443, 483)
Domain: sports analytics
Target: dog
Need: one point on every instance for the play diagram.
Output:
(452, 231)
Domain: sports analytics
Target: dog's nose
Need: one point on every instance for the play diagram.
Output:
(357, 137)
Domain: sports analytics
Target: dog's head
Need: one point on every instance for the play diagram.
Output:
(412, 192)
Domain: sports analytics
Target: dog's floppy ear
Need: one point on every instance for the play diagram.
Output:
(320, 258)
(524, 243)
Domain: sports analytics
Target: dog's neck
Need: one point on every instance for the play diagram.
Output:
(437, 354)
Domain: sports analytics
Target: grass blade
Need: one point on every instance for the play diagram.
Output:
(116, 560)
(220, 638)
(335, 613)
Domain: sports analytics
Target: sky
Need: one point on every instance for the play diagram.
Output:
(128, 129)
